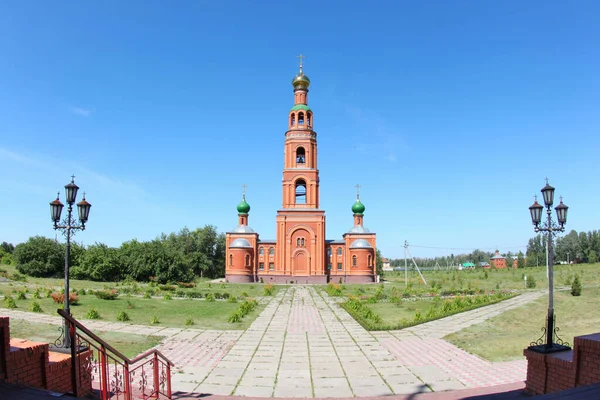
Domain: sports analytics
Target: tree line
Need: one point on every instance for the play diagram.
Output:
(177, 257)
(476, 256)
(582, 247)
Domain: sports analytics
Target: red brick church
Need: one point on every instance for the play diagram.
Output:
(300, 253)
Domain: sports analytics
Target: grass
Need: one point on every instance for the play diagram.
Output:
(504, 337)
(127, 343)
(173, 313)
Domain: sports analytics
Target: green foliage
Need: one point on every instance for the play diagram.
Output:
(36, 294)
(92, 313)
(232, 299)
(107, 294)
(334, 290)
(530, 282)
(268, 290)
(39, 257)
(576, 286)
(167, 297)
(155, 320)
(147, 295)
(9, 302)
(378, 263)
(189, 321)
(123, 316)
(35, 307)
(210, 297)
(21, 296)
(246, 307)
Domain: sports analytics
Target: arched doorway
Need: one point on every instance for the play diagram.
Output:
(300, 263)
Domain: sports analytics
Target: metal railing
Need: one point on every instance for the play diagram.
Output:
(101, 369)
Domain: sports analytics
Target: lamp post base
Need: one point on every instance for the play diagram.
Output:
(551, 348)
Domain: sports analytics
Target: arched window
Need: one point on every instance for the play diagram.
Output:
(261, 251)
(354, 261)
(247, 259)
(370, 260)
(308, 118)
(298, 242)
(271, 251)
(293, 119)
(300, 155)
(300, 191)
(339, 251)
(302, 242)
(300, 118)
(231, 260)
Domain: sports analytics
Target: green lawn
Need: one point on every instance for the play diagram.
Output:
(127, 343)
(505, 336)
(170, 313)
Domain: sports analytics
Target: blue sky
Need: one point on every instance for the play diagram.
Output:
(449, 114)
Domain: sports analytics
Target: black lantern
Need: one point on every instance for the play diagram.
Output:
(548, 193)
(71, 190)
(536, 213)
(56, 209)
(561, 213)
(84, 210)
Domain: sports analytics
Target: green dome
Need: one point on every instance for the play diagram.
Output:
(303, 107)
(243, 207)
(358, 207)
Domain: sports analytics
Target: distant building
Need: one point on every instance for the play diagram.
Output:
(386, 264)
(498, 260)
(483, 264)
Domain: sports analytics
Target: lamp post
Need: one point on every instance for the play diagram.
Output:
(551, 228)
(68, 226)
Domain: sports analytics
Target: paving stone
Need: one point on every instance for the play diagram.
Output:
(224, 390)
(254, 391)
(440, 386)
(371, 391)
(334, 392)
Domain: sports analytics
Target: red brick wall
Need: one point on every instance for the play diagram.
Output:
(587, 359)
(548, 373)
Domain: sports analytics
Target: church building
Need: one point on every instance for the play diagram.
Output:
(300, 253)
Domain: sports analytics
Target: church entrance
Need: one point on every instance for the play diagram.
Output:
(300, 263)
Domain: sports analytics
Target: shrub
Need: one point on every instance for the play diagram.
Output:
(36, 294)
(530, 282)
(168, 288)
(9, 302)
(48, 293)
(186, 284)
(35, 307)
(92, 314)
(244, 294)
(21, 296)
(210, 297)
(107, 294)
(155, 320)
(418, 317)
(232, 299)
(130, 305)
(261, 280)
(123, 316)
(189, 321)
(59, 298)
(167, 297)
(147, 295)
(334, 289)
(268, 290)
(235, 317)
(576, 286)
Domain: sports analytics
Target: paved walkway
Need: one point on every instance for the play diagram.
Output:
(304, 345)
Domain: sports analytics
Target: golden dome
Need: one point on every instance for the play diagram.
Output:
(301, 81)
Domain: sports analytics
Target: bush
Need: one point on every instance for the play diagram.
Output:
(268, 290)
(210, 297)
(123, 316)
(9, 302)
(40, 257)
(92, 314)
(107, 294)
(235, 317)
(334, 290)
(186, 284)
(59, 298)
(36, 294)
(155, 320)
(167, 297)
(189, 321)
(576, 286)
(147, 295)
(35, 307)
(530, 282)
(232, 299)
(21, 296)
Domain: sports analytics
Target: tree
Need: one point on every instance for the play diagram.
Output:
(100, 263)
(40, 257)
(378, 263)
(520, 260)
(536, 251)
(7, 247)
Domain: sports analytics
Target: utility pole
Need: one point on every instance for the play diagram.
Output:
(405, 264)
(568, 259)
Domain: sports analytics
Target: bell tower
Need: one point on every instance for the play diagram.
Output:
(300, 222)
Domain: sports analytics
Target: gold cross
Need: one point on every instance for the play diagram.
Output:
(357, 190)
(300, 57)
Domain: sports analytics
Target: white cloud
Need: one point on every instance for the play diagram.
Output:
(84, 112)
